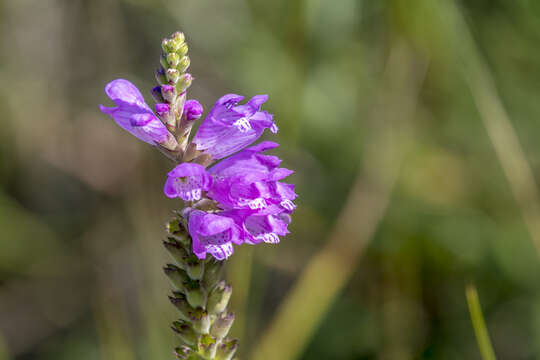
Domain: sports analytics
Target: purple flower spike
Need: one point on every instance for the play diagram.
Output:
(229, 127)
(134, 115)
(213, 234)
(193, 110)
(187, 181)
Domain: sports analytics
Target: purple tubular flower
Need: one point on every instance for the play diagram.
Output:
(192, 110)
(257, 228)
(187, 181)
(250, 180)
(229, 127)
(212, 234)
(133, 114)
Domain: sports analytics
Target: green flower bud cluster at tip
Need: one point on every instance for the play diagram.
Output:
(174, 63)
(201, 298)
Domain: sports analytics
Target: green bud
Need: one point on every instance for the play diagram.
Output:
(173, 75)
(173, 60)
(219, 298)
(163, 62)
(226, 350)
(183, 63)
(178, 36)
(222, 325)
(165, 45)
(182, 49)
(195, 294)
(194, 267)
(178, 253)
(212, 273)
(177, 276)
(161, 78)
(184, 82)
(186, 333)
(207, 346)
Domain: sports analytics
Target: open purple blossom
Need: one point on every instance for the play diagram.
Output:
(229, 127)
(134, 115)
(247, 190)
(257, 228)
(212, 234)
(250, 180)
(187, 181)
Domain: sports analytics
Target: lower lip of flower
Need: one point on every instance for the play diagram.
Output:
(242, 124)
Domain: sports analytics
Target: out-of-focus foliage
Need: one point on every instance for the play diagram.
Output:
(81, 203)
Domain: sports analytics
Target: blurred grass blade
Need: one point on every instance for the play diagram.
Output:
(327, 273)
(500, 130)
(480, 330)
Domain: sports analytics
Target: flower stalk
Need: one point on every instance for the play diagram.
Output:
(239, 200)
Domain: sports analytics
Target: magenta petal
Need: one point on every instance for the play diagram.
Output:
(187, 181)
(213, 233)
(228, 128)
(124, 91)
(133, 115)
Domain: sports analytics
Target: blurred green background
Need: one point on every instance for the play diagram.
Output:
(412, 126)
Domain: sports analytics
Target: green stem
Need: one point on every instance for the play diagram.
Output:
(480, 330)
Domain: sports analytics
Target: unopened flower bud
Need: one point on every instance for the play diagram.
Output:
(185, 332)
(192, 110)
(156, 94)
(162, 109)
(219, 298)
(173, 75)
(163, 61)
(161, 77)
(178, 36)
(182, 49)
(165, 45)
(168, 92)
(173, 60)
(183, 82)
(226, 350)
(183, 63)
(222, 325)
(207, 346)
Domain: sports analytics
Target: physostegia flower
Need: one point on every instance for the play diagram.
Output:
(234, 192)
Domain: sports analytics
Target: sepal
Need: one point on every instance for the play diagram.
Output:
(177, 276)
(226, 350)
(219, 298)
(207, 346)
(222, 325)
(185, 332)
